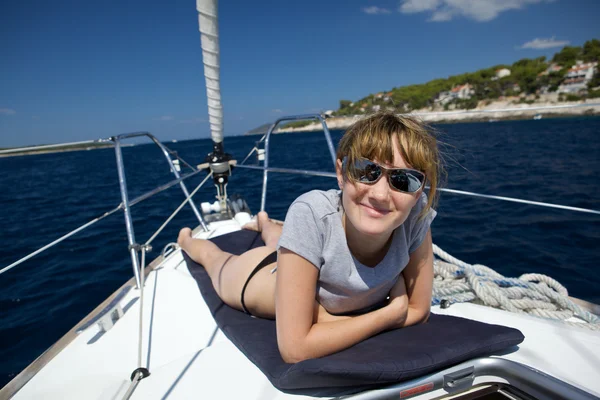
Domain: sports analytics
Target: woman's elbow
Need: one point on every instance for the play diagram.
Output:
(293, 345)
(292, 358)
(417, 315)
(422, 315)
(292, 354)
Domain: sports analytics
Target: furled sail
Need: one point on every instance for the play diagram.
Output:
(209, 35)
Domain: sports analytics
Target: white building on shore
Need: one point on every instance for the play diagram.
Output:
(551, 68)
(501, 73)
(458, 92)
(577, 77)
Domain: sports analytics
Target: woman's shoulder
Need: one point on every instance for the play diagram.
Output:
(307, 225)
(421, 203)
(321, 202)
(417, 224)
(415, 214)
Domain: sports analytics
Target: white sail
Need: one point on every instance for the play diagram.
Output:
(209, 36)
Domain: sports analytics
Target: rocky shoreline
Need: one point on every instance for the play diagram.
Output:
(495, 111)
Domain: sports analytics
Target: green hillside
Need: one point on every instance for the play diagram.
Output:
(528, 77)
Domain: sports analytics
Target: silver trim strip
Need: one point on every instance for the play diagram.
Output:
(107, 308)
(531, 381)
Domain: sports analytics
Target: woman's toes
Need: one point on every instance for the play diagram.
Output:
(263, 220)
(184, 235)
(251, 226)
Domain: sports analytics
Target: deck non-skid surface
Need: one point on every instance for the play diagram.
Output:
(176, 322)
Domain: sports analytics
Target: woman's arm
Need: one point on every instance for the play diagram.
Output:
(298, 336)
(418, 278)
(397, 296)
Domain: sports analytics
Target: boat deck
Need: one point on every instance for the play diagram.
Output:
(188, 356)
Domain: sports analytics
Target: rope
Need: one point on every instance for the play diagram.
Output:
(535, 294)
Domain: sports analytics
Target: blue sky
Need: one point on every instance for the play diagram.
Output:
(78, 70)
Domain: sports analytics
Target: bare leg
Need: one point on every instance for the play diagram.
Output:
(229, 273)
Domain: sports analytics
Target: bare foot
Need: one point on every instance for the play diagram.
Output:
(184, 237)
(270, 230)
(258, 223)
(204, 252)
(251, 226)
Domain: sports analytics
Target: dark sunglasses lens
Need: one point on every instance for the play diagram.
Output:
(365, 171)
(407, 181)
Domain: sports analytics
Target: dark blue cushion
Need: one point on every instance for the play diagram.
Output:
(386, 358)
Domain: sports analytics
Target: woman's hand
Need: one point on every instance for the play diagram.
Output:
(398, 291)
(418, 276)
(398, 302)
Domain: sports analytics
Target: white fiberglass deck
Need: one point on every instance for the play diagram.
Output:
(189, 357)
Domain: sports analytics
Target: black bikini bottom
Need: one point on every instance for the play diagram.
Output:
(270, 259)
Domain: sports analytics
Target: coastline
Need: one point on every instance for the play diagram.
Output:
(506, 110)
(63, 150)
(492, 112)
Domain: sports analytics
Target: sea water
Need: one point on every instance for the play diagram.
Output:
(43, 197)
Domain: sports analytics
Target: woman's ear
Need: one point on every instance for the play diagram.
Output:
(339, 173)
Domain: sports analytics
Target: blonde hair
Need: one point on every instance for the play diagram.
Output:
(372, 138)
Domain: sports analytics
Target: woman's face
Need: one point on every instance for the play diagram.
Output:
(376, 209)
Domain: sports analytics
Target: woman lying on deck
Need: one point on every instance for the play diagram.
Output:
(349, 263)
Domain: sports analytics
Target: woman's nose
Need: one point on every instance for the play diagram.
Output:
(381, 189)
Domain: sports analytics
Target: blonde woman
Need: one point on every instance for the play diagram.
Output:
(349, 263)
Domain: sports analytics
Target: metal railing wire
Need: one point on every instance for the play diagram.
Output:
(121, 206)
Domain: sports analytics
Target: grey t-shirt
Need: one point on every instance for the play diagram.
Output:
(313, 229)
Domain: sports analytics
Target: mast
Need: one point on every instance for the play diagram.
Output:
(209, 36)
(218, 161)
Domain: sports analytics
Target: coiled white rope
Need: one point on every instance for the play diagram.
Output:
(535, 294)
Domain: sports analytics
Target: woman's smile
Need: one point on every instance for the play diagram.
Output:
(374, 211)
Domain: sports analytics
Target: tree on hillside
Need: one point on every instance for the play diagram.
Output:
(345, 103)
(567, 56)
(466, 104)
(595, 81)
(552, 80)
(489, 90)
(525, 73)
(591, 50)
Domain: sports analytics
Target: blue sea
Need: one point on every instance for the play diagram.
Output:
(43, 197)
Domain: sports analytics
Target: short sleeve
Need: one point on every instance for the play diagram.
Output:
(302, 233)
(421, 224)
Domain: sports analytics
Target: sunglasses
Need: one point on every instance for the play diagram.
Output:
(365, 171)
